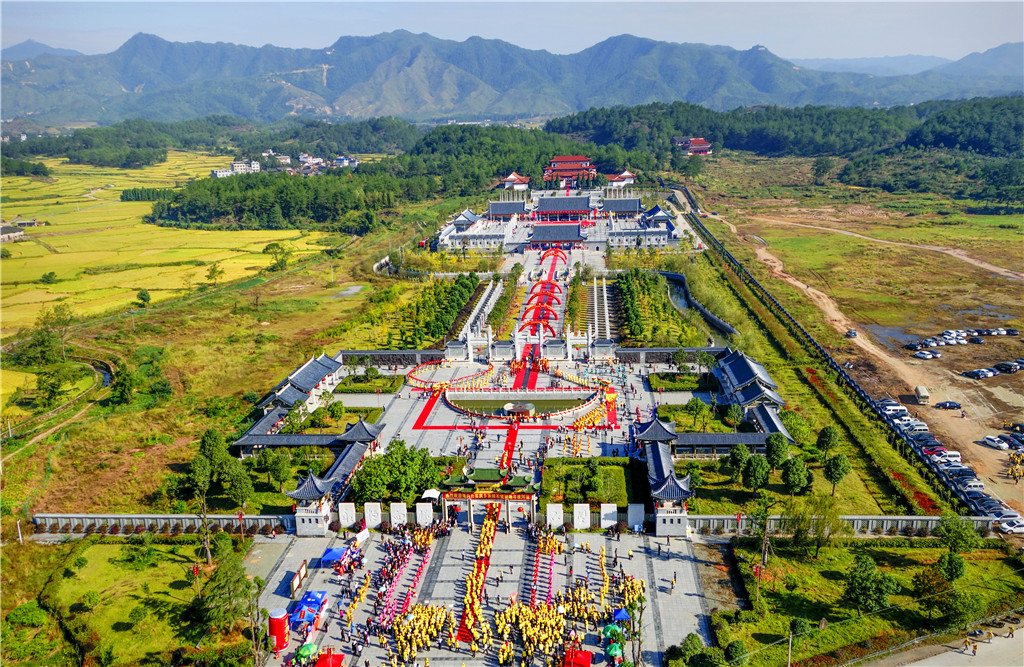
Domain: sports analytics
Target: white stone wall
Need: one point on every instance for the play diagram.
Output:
(424, 514)
(371, 513)
(555, 515)
(399, 514)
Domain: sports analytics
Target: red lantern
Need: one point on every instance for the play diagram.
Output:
(520, 510)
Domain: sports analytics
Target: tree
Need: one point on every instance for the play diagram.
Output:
(734, 415)
(798, 627)
(697, 409)
(836, 468)
(738, 457)
(705, 360)
(953, 566)
(5, 253)
(694, 165)
(137, 615)
(257, 619)
(826, 521)
(213, 447)
(320, 419)
(280, 469)
(50, 277)
(957, 534)
(961, 608)
(690, 647)
(867, 589)
(186, 282)
(736, 652)
(755, 473)
(52, 382)
(797, 426)
(928, 586)
(90, 600)
(58, 320)
(280, 255)
(214, 273)
(794, 475)
(227, 594)
(776, 450)
(821, 168)
(122, 385)
(143, 297)
(337, 411)
(222, 546)
(199, 476)
(828, 439)
(239, 483)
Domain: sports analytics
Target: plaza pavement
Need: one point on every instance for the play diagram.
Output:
(671, 614)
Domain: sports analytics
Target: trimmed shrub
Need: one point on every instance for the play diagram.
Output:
(78, 529)
(334, 526)
(139, 529)
(115, 529)
(189, 529)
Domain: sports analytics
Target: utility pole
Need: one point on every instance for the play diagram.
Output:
(789, 660)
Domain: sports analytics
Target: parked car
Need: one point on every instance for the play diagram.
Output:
(1012, 527)
(1008, 440)
(1012, 332)
(851, 333)
(886, 401)
(1007, 367)
(948, 405)
(1007, 515)
(994, 442)
(977, 340)
(924, 355)
(976, 496)
(913, 347)
(936, 355)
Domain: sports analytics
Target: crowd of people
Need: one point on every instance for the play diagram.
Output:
(421, 626)
(540, 629)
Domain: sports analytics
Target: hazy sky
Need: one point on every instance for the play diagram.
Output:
(791, 30)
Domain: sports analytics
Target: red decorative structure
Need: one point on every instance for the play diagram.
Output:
(550, 283)
(541, 323)
(549, 295)
(541, 306)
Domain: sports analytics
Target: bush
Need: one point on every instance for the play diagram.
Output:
(892, 532)
(27, 615)
(176, 529)
(78, 529)
(385, 526)
(622, 527)
(567, 526)
(66, 528)
(705, 530)
(334, 526)
(140, 529)
(251, 530)
(736, 653)
(922, 531)
(103, 529)
(877, 530)
(265, 529)
(215, 528)
(908, 531)
(90, 529)
(154, 527)
(280, 529)
(115, 529)
(189, 529)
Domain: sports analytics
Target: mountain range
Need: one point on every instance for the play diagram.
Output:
(30, 48)
(420, 77)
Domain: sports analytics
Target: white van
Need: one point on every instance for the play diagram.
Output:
(948, 456)
(919, 427)
(973, 485)
(893, 410)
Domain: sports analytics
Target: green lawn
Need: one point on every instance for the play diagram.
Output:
(359, 384)
(719, 495)
(160, 588)
(810, 589)
(558, 484)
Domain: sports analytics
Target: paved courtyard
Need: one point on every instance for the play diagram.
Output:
(671, 613)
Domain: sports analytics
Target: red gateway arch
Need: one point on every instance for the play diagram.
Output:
(541, 306)
(539, 323)
(550, 295)
(550, 283)
(558, 254)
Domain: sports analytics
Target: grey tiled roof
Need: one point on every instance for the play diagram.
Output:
(311, 488)
(754, 392)
(346, 462)
(698, 439)
(622, 206)
(288, 440)
(311, 373)
(661, 473)
(506, 208)
(562, 204)
(555, 233)
(740, 370)
(656, 214)
(267, 421)
(360, 432)
(657, 430)
(768, 420)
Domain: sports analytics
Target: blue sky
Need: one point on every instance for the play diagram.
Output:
(791, 30)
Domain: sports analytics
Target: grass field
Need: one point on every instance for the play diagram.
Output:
(558, 484)
(810, 589)
(102, 253)
(161, 589)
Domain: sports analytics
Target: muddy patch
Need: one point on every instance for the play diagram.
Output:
(723, 588)
(352, 290)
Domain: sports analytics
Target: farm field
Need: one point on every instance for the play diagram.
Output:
(101, 251)
(11, 381)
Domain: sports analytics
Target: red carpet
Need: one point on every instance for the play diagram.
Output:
(510, 445)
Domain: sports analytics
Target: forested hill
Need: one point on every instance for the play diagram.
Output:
(987, 126)
(422, 77)
(138, 143)
(449, 161)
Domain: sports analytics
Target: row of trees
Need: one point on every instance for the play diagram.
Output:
(432, 313)
(12, 167)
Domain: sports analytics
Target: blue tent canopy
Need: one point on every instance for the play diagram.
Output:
(332, 555)
(620, 615)
(313, 599)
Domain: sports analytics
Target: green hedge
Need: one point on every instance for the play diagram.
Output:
(359, 384)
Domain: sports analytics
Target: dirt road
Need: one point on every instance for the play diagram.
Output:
(952, 252)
